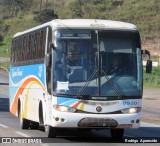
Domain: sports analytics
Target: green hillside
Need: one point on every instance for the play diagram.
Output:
(19, 15)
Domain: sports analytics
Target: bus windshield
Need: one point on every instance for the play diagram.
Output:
(97, 63)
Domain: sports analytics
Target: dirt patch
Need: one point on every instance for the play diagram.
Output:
(151, 102)
(152, 45)
(150, 119)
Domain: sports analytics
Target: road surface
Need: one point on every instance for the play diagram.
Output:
(9, 127)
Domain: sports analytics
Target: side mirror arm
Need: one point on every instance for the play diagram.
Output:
(52, 46)
(146, 52)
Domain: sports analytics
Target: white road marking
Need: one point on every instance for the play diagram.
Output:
(4, 126)
(44, 145)
(22, 134)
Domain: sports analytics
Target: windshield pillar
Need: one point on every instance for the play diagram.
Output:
(99, 64)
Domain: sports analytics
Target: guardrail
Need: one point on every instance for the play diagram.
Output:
(3, 68)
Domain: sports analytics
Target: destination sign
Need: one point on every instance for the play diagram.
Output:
(75, 35)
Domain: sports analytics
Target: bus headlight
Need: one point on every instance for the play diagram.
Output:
(131, 110)
(64, 108)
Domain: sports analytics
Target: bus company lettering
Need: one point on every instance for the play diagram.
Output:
(98, 25)
(17, 73)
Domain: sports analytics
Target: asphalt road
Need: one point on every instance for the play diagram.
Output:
(9, 127)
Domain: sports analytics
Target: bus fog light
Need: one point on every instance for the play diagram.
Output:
(62, 120)
(56, 119)
(131, 110)
(137, 121)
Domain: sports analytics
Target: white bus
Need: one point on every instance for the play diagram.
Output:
(78, 73)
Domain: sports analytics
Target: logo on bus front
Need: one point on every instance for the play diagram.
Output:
(98, 109)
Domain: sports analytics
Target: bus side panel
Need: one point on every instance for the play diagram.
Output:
(27, 84)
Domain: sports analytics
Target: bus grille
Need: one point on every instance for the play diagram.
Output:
(98, 122)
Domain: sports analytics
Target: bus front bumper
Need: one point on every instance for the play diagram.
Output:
(79, 120)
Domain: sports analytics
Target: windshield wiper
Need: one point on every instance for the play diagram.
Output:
(112, 84)
(87, 83)
(108, 80)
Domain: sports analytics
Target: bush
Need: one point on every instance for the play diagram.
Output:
(152, 80)
(45, 16)
(1, 38)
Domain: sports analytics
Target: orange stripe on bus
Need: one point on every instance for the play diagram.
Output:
(20, 91)
(76, 105)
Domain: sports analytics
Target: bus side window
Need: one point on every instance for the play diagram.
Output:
(20, 49)
(32, 47)
(27, 48)
(43, 43)
(38, 45)
(16, 48)
(24, 48)
(35, 46)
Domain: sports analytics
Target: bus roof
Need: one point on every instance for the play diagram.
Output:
(83, 24)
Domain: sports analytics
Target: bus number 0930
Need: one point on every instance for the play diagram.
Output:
(130, 102)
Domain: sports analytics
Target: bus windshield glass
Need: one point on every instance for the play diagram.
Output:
(97, 63)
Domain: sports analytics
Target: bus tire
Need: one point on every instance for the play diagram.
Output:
(50, 131)
(117, 133)
(34, 125)
(24, 123)
(41, 120)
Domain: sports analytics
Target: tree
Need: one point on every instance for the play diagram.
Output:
(15, 6)
(76, 8)
(45, 16)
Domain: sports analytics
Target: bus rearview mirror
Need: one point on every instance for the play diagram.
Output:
(149, 66)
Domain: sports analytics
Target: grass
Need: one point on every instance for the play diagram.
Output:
(5, 46)
(144, 14)
(5, 65)
(15, 25)
(152, 80)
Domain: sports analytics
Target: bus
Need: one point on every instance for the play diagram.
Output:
(78, 73)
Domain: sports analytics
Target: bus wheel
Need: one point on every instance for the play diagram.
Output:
(117, 133)
(24, 123)
(50, 131)
(34, 125)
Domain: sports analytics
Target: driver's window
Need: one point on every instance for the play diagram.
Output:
(74, 54)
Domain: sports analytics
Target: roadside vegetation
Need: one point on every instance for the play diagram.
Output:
(19, 15)
(152, 80)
